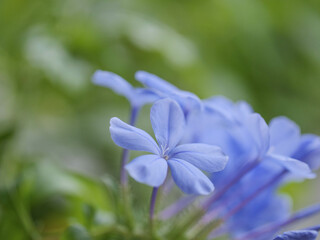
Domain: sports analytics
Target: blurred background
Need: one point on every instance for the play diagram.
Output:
(54, 140)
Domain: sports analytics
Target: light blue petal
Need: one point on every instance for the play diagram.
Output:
(227, 109)
(152, 81)
(244, 107)
(144, 96)
(220, 105)
(168, 123)
(259, 132)
(131, 138)
(207, 157)
(284, 136)
(187, 100)
(298, 235)
(295, 167)
(137, 96)
(189, 178)
(309, 151)
(148, 169)
(114, 82)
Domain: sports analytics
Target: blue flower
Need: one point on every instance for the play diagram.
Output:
(184, 160)
(298, 235)
(136, 96)
(274, 146)
(246, 137)
(253, 140)
(249, 141)
(187, 100)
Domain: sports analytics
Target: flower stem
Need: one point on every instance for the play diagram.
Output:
(152, 204)
(123, 174)
(176, 207)
(125, 152)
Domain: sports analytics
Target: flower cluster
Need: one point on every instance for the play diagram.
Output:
(220, 149)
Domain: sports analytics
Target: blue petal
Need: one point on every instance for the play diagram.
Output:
(131, 138)
(143, 96)
(189, 178)
(137, 96)
(207, 157)
(259, 132)
(114, 82)
(244, 107)
(155, 82)
(168, 123)
(284, 136)
(220, 105)
(187, 100)
(309, 151)
(148, 169)
(227, 109)
(298, 235)
(295, 167)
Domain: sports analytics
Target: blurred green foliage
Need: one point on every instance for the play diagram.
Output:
(54, 144)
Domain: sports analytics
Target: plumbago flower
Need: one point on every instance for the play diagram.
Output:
(249, 142)
(277, 168)
(184, 160)
(137, 97)
(260, 201)
(190, 134)
(261, 157)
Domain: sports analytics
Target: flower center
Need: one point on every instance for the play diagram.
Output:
(164, 152)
